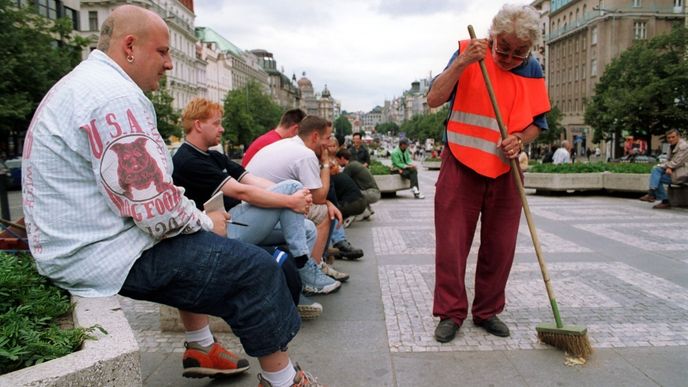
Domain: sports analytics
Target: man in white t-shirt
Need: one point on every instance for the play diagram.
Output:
(305, 158)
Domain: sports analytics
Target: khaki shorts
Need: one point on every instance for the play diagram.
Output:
(317, 213)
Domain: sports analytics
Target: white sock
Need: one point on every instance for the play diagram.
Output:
(202, 336)
(281, 378)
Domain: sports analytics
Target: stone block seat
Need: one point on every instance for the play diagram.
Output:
(678, 195)
(390, 184)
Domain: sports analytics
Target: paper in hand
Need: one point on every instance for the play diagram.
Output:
(216, 202)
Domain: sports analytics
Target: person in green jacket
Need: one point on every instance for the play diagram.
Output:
(402, 164)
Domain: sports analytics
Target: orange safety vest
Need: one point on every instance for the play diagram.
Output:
(472, 129)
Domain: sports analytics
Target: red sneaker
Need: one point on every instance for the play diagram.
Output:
(201, 362)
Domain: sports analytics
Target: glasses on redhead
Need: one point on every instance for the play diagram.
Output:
(513, 54)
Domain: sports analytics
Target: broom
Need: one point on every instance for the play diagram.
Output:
(571, 338)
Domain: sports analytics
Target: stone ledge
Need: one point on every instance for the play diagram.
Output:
(391, 183)
(111, 360)
(432, 165)
(629, 182)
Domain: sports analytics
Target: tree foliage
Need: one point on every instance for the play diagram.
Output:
(553, 134)
(36, 53)
(342, 127)
(167, 116)
(644, 91)
(249, 113)
(387, 127)
(424, 126)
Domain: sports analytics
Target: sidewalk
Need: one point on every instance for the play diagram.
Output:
(617, 267)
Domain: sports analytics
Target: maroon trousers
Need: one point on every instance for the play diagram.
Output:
(462, 196)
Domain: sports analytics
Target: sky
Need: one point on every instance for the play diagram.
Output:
(365, 51)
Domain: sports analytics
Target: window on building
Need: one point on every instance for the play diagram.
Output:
(47, 8)
(593, 35)
(639, 30)
(93, 20)
(637, 3)
(73, 16)
(678, 3)
(593, 67)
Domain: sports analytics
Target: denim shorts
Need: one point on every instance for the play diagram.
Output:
(209, 274)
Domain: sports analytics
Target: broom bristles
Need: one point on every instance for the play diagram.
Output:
(576, 345)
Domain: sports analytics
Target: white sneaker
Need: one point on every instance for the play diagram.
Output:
(308, 309)
(348, 221)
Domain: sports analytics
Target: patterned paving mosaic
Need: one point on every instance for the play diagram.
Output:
(620, 305)
(420, 239)
(604, 212)
(645, 235)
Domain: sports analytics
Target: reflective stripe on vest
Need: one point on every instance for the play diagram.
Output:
(472, 130)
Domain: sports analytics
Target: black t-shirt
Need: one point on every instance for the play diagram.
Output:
(203, 173)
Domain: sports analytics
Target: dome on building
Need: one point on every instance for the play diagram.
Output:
(326, 93)
(304, 82)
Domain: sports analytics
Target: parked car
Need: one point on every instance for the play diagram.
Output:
(643, 159)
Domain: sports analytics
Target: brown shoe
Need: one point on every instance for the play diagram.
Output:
(648, 198)
(662, 206)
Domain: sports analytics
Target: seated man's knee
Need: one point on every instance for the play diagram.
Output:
(287, 187)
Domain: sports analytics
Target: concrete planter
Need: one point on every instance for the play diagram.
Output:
(629, 182)
(435, 164)
(564, 181)
(391, 183)
(111, 360)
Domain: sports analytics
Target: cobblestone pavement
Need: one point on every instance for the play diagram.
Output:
(617, 267)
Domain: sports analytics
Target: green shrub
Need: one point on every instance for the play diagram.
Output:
(591, 168)
(29, 307)
(377, 168)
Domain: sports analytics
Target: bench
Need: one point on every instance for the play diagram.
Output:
(678, 195)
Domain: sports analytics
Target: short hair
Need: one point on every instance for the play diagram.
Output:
(291, 117)
(673, 130)
(356, 134)
(309, 124)
(199, 109)
(344, 153)
(519, 20)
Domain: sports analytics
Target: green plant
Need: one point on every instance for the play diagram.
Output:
(29, 308)
(591, 168)
(377, 168)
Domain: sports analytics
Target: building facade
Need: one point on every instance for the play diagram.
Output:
(282, 90)
(187, 78)
(583, 37)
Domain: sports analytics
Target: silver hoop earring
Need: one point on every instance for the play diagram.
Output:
(130, 59)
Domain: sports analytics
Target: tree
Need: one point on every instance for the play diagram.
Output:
(644, 91)
(553, 134)
(249, 113)
(424, 126)
(36, 53)
(387, 127)
(167, 116)
(342, 127)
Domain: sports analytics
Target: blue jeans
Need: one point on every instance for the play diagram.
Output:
(337, 234)
(274, 226)
(205, 273)
(657, 180)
